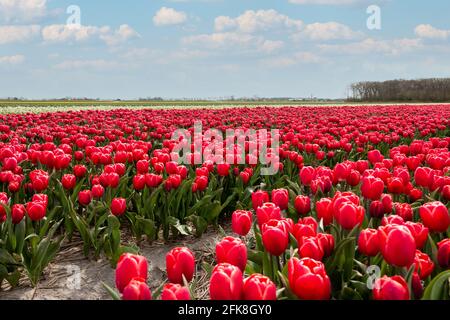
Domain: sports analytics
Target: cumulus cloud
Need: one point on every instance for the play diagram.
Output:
(22, 10)
(67, 33)
(327, 31)
(169, 16)
(121, 35)
(427, 31)
(12, 34)
(12, 60)
(368, 46)
(253, 21)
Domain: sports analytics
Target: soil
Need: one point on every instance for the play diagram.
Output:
(72, 276)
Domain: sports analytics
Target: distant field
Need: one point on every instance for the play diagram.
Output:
(7, 107)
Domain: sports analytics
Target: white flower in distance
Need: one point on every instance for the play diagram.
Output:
(168, 16)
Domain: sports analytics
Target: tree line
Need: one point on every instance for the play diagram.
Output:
(423, 90)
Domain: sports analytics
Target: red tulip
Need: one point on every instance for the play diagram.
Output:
(179, 262)
(281, 198)
(173, 291)
(419, 232)
(139, 182)
(69, 181)
(275, 237)
(324, 210)
(128, 267)
(349, 215)
(97, 191)
(391, 288)
(223, 169)
(397, 245)
(302, 205)
(326, 242)
(372, 188)
(153, 180)
(422, 176)
(142, 166)
(308, 279)
(79, 170)
(226, 282)
(444, 253)
(259, 287)
(233, 251)
(395, 186)
(85, 197)
(259, 198)
(136, 289)
(435, 216)
(307, 175)
(118, 206)
(241, 222)
(368, 242)
(309, 247)
(4, 200)
(268, 211)
(376, 209)
(404, 210)
(36, 210)
(386, 200)
(17, 213)
(423, 264)
(374, 156)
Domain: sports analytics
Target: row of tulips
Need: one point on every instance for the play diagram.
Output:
(92, 174)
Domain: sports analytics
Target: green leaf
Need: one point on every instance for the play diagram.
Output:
(435, 289)
(113, 293)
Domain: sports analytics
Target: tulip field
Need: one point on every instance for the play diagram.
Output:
(355, 205)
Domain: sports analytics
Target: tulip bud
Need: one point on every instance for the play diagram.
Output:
(180, 262)
(136, 289)
(302, 205)
(391, 288)
(397, 245)
(173, 291)
(241, 222)
(259, 198)
(275, 237)
(444, 253)
(128, 267)
(435, 216)
(308, 279)
(368, 242)
(118, 206)
(233, 251)
(281, 198)
(259, 287)
(226, 282)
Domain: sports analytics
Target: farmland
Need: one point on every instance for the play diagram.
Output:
(163, 202)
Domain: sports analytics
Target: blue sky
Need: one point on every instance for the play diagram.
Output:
(216, 48)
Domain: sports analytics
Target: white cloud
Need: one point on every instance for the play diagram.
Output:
(100, 64)
(168, 16)
(68, 33)
(428, 31)
(368, 46)
(11, 34)
(253, 21)
(235, 40)
(327, 31)
(269, 46)
(12, 60)
(220, 39)
(123, 34)
(22, 10)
